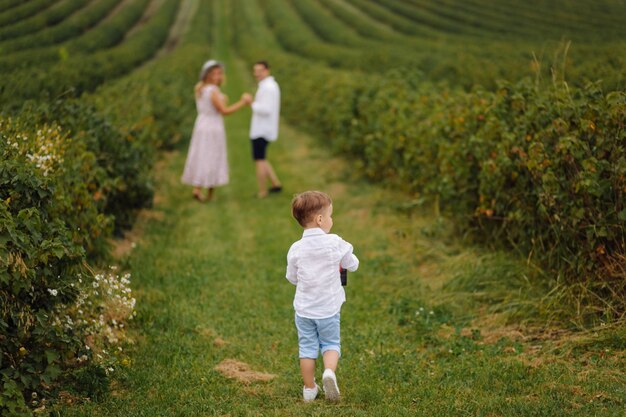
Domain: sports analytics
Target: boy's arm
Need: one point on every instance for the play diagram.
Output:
(292, 270)
(348, 261)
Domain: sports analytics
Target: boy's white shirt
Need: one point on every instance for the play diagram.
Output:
(266, 110)
(313, 267)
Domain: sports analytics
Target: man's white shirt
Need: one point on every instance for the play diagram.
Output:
(265, 110)
(313, 267)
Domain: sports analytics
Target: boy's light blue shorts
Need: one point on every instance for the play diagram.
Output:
(318, 334)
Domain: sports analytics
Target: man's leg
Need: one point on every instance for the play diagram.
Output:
(269, 170)
(261, 177)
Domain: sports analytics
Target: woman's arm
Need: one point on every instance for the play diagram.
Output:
(218, 102)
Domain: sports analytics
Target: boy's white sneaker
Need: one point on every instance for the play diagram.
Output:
(309, 394)
(329, 381)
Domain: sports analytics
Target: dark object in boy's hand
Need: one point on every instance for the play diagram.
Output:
(343, 274)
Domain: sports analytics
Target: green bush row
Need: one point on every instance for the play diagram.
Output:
(8, 4)
(455, 16)
(458, 60)
(48, 17)
(463, 61)
(360, 23)
(427, 17)
(425, 53)
(80, 74)
(492, 20)
(297, 38)
(379, 55)
(293, 34)
(110, 32)
(371, 56)
(72, 26)
(562, 12)
(326, 25)
(27, 9)
(399, 23)
(107, 34)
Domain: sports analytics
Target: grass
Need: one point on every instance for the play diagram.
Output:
(431, 327)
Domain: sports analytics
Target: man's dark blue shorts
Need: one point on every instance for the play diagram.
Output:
(259, 146)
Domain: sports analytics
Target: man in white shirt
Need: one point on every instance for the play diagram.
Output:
(264, 127)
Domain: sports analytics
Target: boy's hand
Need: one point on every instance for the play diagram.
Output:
(343, 274)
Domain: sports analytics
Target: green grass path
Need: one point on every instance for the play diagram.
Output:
(216, 271)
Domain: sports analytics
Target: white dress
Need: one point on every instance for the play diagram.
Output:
(207, 162)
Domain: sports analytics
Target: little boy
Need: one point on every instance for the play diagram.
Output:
(313, 265)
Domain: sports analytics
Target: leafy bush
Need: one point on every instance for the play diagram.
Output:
(47, 219)
(121, 182)
(53, 317)
(540, 171)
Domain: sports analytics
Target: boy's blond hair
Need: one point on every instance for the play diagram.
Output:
(307, 204)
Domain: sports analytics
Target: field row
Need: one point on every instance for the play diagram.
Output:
(74, 73)
(50, 17)
(343, 35)
(101, 25)
(481, 19)
(69, 28)
(461, 43)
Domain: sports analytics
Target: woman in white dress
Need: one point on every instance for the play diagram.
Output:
(207, 162)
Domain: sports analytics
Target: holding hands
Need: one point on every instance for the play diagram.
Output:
(220, 101)
(246, 98)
